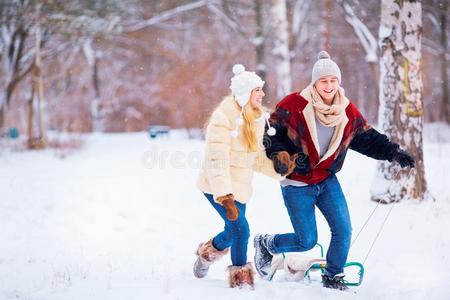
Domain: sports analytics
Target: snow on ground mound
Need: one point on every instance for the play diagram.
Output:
(121, 219)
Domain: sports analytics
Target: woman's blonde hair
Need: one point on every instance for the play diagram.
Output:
(250, 114)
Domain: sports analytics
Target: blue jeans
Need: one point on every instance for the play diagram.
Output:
(235, 233)
(300, 203)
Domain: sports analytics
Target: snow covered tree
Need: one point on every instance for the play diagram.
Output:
(272, 27)
(281, 48)
(34, 34)
(401, 107)
(234, 16)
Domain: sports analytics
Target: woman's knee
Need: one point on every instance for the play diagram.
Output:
(227, 236)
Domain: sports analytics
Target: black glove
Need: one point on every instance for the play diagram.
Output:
(403, 158)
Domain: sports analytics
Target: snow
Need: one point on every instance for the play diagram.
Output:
(88, 52)
(121, 219)
(384, 32)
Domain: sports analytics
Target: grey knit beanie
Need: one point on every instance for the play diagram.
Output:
(325, 66)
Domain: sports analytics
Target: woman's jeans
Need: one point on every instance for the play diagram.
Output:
(300, 203)
(234, 235)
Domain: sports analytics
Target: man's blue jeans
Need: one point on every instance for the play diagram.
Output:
(300, 203)
(235, 233)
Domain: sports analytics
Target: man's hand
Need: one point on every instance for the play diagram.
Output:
(283, 163)
(403, 158)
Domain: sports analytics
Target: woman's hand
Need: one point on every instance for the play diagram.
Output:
(227, 201)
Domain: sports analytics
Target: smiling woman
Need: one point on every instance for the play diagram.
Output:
(256, 98)
(233, 152)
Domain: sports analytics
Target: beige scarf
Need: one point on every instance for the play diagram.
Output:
(328, 115)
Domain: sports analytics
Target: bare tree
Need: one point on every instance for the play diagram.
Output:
(365, 37)
(17, 19)
(362, 32)
(139, 24)
(231, 14)
(277, 29)
(27, 26)
(401, 107)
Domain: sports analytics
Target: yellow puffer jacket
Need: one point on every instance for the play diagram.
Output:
(229, 165)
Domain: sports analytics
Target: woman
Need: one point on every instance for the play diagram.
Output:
(233, 151)
(315, 127)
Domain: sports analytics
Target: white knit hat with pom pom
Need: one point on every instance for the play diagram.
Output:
(325, 66)
(242, 85)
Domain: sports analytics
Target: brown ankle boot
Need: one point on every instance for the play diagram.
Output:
(207, 255)
(239, 276)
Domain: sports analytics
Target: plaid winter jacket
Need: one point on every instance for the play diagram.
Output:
(294, 121)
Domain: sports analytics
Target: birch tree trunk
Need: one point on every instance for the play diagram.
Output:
(401, 109)
(281, 48)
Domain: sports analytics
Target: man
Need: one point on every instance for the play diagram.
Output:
(314, 129)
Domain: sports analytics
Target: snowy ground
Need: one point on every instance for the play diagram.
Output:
(121, 218)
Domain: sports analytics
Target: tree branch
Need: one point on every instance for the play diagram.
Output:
(228, 20)
(164, 16)
(368, 41)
